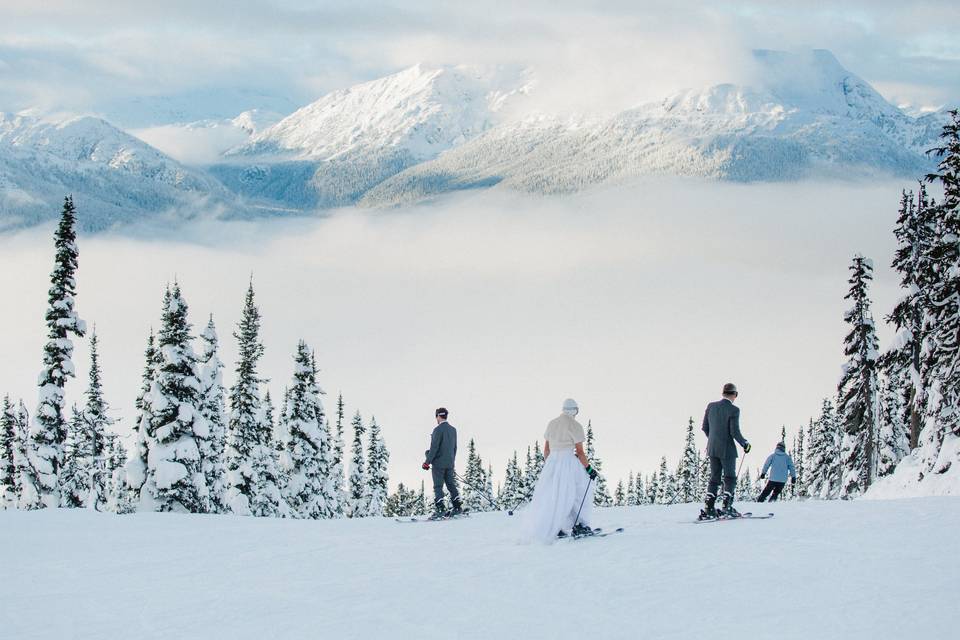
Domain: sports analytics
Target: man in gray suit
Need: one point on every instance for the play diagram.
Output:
(721, 423)
(442, 455)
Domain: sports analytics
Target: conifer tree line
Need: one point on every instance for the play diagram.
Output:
(196, 446)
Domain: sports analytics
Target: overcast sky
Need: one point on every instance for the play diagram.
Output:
(139, 61)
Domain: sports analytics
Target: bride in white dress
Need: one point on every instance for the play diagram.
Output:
(565, 485)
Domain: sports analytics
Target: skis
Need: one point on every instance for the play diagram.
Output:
(743, 516)
(597, 533)
(431, 519)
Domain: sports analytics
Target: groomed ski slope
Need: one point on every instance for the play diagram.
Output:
(862, 569)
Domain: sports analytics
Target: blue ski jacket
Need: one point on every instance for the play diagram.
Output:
(779, 463)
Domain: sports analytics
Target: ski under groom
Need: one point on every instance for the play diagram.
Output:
(721, 423)
(442, 456)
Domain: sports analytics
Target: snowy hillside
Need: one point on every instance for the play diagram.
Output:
(806, 117)
(114, 177)
(332, 151)
(842, 569)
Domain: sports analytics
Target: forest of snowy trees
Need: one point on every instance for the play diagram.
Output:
(199, 447)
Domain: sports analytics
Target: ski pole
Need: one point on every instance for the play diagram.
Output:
(481, 492)
(582, 501)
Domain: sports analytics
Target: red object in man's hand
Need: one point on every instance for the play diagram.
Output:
(426, 466)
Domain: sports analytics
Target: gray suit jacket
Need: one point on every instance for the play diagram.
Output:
(443, 446)
(721, 423)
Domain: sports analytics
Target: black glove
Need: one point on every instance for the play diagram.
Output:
(793, 480)
(747, 447)
(591, 472)
(763, 476)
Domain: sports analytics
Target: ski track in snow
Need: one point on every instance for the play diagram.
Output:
(863, 569)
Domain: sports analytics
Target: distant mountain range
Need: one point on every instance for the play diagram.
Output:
(430, 130)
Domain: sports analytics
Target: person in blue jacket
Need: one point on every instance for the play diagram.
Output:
(779, 464)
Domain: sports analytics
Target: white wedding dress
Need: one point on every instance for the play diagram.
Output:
(557, 498)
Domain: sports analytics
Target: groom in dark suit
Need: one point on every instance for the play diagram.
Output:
(721, 423)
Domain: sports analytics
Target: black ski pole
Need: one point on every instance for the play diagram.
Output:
(481, 492)
(582, 501)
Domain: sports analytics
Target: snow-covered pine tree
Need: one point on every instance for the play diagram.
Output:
(8, 445)
(688, 470)
(131, 478)
(302, 463)
(620, 495)
(48, 431)
(664, 490)
(799, 488)
(653, 488)
(640, 490)
(336, 464)
(253, 476)
(902, 362)
(357, 499)
(939, 441)
(175, 480)
(488, 484)
(20, 460)
(858, 392)
(601, 496)
(75, 472)
(378, 459)
(213, 409)
(474, 480)
(703, 475)
(529, 475)
(420, 508)
(744, 488)
(631, 494)
(893, 440)
(116, 482)
(97, 424)
(824, 462)
(514, 491)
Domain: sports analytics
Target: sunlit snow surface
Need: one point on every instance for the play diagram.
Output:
(850, 570)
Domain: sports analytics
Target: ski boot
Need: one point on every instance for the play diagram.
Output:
(709, 511)
(562, 534)
(581, 530)
(457, 508)
(728, 511)
(439, 511)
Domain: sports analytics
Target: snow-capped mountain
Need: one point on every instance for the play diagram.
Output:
(806, 116)
(113, 176)
(429, 130)
(332, 151)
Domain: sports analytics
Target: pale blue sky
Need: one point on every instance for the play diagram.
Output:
(143, 62)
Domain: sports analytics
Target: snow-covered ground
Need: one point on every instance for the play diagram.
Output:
(862, 569)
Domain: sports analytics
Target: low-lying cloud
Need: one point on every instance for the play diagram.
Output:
(639, 302)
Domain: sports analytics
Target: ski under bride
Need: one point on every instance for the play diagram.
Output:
(565, 486)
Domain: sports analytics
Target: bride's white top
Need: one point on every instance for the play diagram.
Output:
(564, 432)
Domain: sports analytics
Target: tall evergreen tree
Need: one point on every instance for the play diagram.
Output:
(653, 488)
(134, 471)
(174, 479)
(253, 476)
(304, 440)
(213, 409)
(22, 444)
(8, 446)
(688, 470)
(529, 475)
(601, 496)
(378, 459)
(858, 392)
(336, 465)
(75, 472)
(939, 441)
(357, 497)
(475, 480)
(631, 495)
(420, 508)
(513, 492)
(664, 490)
(48, 432)
(799, 488)
(824, 458)
(620, 495)
(488, 484)
(640, 490)
(893, 440)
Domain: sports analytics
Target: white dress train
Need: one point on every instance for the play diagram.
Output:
(557, 498)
